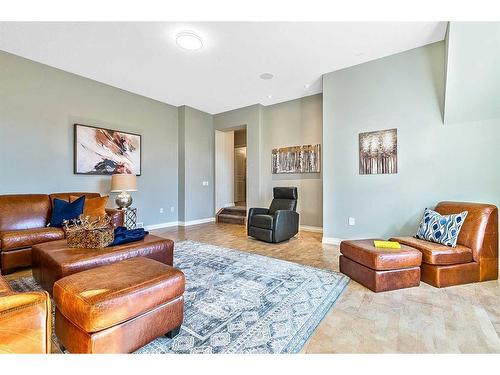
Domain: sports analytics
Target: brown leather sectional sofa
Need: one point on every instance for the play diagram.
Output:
(23, 223)
(25, 321)
(475, 258)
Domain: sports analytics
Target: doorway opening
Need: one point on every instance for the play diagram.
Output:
(231, 175)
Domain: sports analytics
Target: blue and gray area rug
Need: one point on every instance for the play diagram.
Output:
(239, 302)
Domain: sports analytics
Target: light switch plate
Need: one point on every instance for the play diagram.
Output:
(352, 221)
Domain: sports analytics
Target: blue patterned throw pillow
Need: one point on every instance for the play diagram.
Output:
(443, 229)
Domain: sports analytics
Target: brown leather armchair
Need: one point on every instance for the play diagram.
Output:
(475, 258)
(25, 321)
(23, 223)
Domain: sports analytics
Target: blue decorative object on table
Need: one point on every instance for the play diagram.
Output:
(443, 229)
(63, 210)
(124, 235)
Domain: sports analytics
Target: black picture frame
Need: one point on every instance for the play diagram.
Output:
(76, 155)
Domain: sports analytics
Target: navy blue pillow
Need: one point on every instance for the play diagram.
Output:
(63, 210)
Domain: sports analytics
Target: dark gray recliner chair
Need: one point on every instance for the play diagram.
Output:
(278, 223)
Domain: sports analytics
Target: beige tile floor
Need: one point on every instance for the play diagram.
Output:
(459, 319)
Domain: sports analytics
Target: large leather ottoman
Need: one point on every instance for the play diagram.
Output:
(54, 260)
(120, 307)
(380, 269)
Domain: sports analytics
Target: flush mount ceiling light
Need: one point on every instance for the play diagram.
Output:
(189, 40)
(266, 76)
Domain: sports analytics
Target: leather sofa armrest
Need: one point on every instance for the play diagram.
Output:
(255, 211)
(117, 216)
(258, 211)
(25, 322)
(286, 224)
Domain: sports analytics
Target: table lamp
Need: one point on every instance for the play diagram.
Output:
(123, 183)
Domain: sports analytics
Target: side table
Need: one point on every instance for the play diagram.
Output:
(131, 217)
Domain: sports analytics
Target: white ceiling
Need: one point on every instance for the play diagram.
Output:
(144, 59)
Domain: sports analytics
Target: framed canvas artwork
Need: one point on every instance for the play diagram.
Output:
(378, 152)
(297, 159)
(100, 151)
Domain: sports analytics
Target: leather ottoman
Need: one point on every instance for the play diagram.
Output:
(380, 269)
(54, 260)
(120, 307)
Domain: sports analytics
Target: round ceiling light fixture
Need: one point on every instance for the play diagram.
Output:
(266, 76)
(189, 40)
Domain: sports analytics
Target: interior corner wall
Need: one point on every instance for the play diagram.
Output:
(182, 165)
(38, 107)
(196, 165)
(251, 117)
(294, 123)
(435, 162)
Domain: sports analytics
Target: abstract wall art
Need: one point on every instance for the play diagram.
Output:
(378, 152)
(100, 151)
(297, 159)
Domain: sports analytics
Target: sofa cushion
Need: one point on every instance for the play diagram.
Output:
(19, 239)
(437, 254)
(262, 221)
(480, 231)
(443, 229)
(102, 297)
(24, 211)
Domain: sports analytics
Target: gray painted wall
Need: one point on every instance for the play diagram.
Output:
(38, 107)
(294, 123)
(473, 72)
(196, 164)
(182, 164)
(436, 162)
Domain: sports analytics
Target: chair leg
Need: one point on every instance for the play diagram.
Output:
(173, 332)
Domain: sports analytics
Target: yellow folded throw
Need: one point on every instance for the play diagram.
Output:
(387, 244)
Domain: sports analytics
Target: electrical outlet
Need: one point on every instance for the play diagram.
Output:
(139, 225)
(161, 210)
(205, 183)
(352, 221)
(172, 209)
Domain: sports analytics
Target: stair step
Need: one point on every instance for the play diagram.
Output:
(240, 211)
(231, 219)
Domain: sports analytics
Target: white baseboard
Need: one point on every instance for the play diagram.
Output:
(179, 223)
(229, 205)
(309, 228)
(331, 240)
(195, 222)
(162, 225)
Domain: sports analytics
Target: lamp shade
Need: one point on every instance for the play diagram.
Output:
(123, 182)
